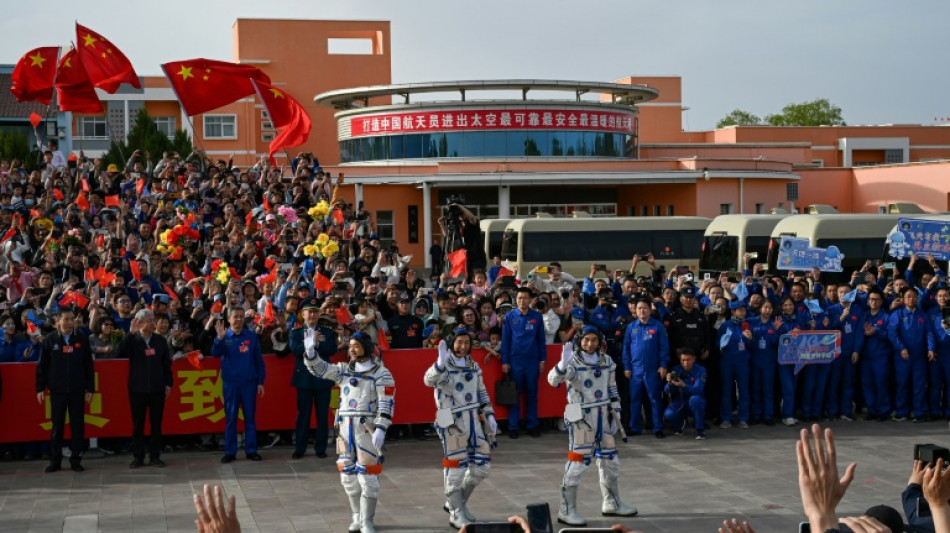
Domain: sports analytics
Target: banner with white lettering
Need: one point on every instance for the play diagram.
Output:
(918, 236)
(798, 254)
(802, 348)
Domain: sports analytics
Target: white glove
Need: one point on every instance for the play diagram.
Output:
(567, 353)
(492, 425)
(444, 354)
(379, 438)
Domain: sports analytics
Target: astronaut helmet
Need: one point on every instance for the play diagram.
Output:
(592, 337)
(463, 349)
(364, 344)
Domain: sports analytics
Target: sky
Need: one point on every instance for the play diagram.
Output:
(880, 62)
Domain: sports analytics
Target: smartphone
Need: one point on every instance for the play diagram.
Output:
(753, 255)
(539, 518)
(890, 266)
(493, 527)
(923, 508)
(706, 276)
(541, 270)
(601, 267)
(688, 276)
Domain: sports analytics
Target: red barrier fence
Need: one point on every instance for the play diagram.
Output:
(196, 405)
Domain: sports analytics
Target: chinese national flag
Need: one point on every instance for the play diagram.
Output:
(140, 186)
(194, 358)
(502, 272)
(84, 185)
(266, 203)
(270, 277)
(8, 235)
(287, 115)
(343, 316)
(322, 283)
(168, 290)
(134, 267)
(82, 201)
(269, 263)
(187, 273)
(382, 340)
(269, 316)
(204, 84)
(338, 216)
(74, 297)
(106, 65)
(457, 259)
(74, 91)
(32, 78)
(58, 194)
(112, 200)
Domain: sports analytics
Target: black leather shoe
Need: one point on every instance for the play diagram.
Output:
(296, 455)
(76, 467)
(322, 455)
(254, 457)
(157, 462)
(228, 459)
(53, 468)
(659, 435)
(513, 434)
(136, 463)
(534, 432)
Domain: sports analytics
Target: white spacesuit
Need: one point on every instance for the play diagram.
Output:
(365, 413)
(461, 399)
(592, 416)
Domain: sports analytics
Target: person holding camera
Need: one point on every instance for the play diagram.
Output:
(686, 388)
(592, 417)
(460, 230)
(465, 420)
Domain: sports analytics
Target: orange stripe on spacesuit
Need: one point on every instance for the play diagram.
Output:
(449, 463)
(575, 457)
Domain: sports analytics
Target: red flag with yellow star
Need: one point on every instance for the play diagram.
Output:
(32, 78)
(74, 91)
(205, 84)
(106, 65)
(286, 114)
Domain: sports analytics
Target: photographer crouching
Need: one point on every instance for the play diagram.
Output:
(460, 230)
(686, 387)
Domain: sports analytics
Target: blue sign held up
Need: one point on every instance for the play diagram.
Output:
(802, 348)
(796, 254)
(918, 236)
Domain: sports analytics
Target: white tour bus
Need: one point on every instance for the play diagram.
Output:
(493, 229)
(729, 237)
(577, 243)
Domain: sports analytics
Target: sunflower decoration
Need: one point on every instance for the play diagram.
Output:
(320, 210)
(322, 247)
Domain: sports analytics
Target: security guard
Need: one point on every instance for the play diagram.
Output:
(243, 372)
(312, 392)
(688, 326)
(687, 394)
(404, 327)
(876, 358)
(646, 356)
(66, 369)
(523, 354)
(912, 337)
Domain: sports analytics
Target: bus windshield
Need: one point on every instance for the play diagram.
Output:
(720, 253)
(509, 245)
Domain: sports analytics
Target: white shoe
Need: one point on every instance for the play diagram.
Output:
(725, 424)
(789, 421)
(743, 424)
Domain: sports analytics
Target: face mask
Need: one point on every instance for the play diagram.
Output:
(29, 201)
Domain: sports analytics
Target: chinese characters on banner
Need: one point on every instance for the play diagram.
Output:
(196, 404)
(797, 254)
(917, 236)
(802, 348)
(493, 119)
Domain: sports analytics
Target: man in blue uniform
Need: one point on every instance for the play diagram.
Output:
(734, 338)
(312, 392)
(849, 319)
(646, 355)
(523, 354)
(686, 387)
(912, 337)
(876, 358)
(242, 371)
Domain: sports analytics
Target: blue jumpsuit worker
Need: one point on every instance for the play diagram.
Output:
(312, 392)
(876, 357)
(788, 321)
(646, 356)
(849, 320)
(814, 378)
(912, 337)
(242, 371)
(734, 339)
(765, 335)
(940, 369)
(523, 353)
(687, 395)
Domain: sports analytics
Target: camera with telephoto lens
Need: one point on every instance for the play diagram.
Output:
(673, 376)
(453, 203)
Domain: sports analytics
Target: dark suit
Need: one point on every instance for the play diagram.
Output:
(67, 371)
(150, 371)
(312, 392)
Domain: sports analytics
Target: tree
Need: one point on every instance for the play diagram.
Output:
(145, 136)
(17, 146)
(739, 117)
(820, 112)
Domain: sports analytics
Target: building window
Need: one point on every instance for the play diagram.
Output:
(220, 126)
(385, 227)
(92, 128)
(759, 209)
(669, 210)
(644, 211)
(267, 125)
(267, 137)
(791, 192)
(725, 209)
(265, 115)
(892, 157)
(657, 211)
(166, 125)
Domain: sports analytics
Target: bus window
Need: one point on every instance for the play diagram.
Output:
(509, 245)
(758, 245)
(719, 253)
(495, 239)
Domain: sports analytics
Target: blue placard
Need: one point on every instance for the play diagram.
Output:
(917, 236)
(796, 254)
(802, 348)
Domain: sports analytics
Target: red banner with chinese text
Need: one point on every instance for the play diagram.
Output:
(196, 405)
(493, 120)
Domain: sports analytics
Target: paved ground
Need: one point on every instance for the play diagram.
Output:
(679, 484)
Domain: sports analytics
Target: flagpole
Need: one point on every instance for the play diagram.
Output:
(49, 107)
